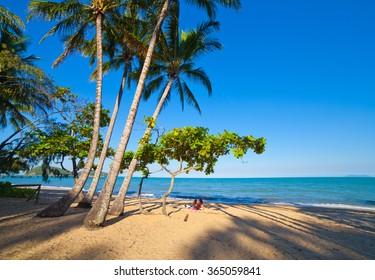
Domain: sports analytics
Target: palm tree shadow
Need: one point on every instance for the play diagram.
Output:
(148, 208)
(267, 234)
(28, 229)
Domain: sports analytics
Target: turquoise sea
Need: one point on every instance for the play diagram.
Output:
(342, 192)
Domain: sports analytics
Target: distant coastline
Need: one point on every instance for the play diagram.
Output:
(55, 172)
(359, 176)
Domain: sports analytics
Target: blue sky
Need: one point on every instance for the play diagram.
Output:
(299, 73)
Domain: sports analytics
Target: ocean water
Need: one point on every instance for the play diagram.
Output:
(342, 192)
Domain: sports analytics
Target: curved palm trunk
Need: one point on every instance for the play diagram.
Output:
(61, 206)
(86, 201)
(118, 205)
(98, 212)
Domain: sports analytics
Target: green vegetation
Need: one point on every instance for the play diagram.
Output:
(7, 190)
(193, 148)
(68, 139)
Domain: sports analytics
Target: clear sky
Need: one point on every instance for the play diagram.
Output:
(299, 73)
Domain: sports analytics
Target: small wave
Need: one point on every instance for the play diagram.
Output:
(337, 206)
(148, 195)
(55, 187)
(283, 203)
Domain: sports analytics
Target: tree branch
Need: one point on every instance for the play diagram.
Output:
(163, 167)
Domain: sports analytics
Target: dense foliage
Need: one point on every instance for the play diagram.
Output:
(194, 148)
(25, 90)
(68, 139)
(198, 149)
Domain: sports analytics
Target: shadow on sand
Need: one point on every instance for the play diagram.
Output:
(280, 235)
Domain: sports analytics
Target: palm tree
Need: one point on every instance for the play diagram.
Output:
(24, 88)
(125, 38)
(97, 214)
(11, 25)
(75, 21)
(174, 64)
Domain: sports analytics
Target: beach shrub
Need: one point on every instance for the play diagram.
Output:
(194, 148)
(7, 190)
(5, 184)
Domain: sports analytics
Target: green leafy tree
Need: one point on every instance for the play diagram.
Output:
(195, 149)
(69, 139)
(97, 214)
(11, 160)
(11, 148)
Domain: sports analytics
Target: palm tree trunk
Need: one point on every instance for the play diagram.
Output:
(98, 212)
(118, 205)
(61, 206)
(90, 194)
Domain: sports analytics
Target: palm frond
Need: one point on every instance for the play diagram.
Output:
(199, 75)
(152, 86)
(54, 11)
(190, 98)
(10, 21)
(180, 90)
(176, 54)
(73, 43)
(208, 5)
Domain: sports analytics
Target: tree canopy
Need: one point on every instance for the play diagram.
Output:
(198, 149)
(67, 139)
(194, 148)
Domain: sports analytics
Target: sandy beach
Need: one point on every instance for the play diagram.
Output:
(220, 231)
